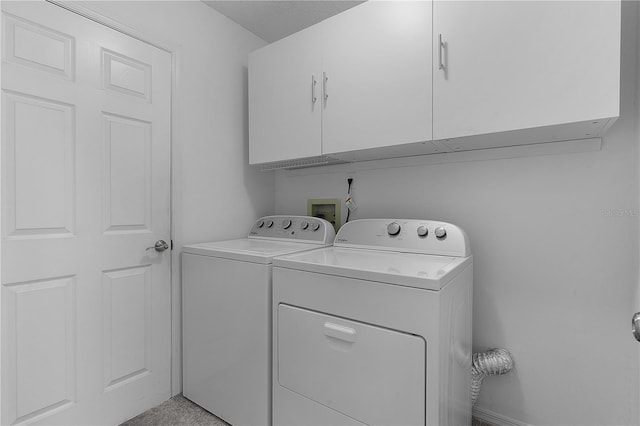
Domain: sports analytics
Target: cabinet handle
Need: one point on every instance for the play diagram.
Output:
(324, 87)
(441, 46)
(313, 90)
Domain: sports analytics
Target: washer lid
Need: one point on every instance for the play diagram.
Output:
(248, 249)
(407, 269)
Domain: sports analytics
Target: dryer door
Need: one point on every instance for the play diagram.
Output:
(371, 374)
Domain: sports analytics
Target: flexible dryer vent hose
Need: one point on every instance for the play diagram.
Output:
(491, 363)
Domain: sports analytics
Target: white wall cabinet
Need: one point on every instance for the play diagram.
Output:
(372, 68)
(406, 78)
(511, 66)
(377, 58)
(284, 120)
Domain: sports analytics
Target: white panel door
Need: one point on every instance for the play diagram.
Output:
(85, 162)
(285, 99)
(511, 65)
(377, 61)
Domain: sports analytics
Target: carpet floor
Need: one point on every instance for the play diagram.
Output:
(179, 411)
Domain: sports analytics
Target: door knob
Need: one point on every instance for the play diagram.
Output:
(635, 326)
(159, 246)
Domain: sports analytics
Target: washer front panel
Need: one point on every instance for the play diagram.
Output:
(226, 312)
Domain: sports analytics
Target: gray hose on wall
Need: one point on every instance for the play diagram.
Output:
(491, 363)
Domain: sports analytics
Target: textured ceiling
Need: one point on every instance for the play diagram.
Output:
(272, 20)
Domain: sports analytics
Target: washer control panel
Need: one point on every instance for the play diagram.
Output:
(293, 228)
(405, 235)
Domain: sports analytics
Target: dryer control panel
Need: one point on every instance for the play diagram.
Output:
(293, 228)
(405, 235)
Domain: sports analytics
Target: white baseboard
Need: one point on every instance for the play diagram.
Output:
(495, 418)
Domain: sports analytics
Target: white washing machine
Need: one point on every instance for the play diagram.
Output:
(226, 314)
(375, 330)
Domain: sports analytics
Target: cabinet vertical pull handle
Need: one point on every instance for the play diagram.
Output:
(325, 94)
(441, 46)
(313, 89)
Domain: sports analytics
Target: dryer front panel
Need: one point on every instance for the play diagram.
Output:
(372, 374)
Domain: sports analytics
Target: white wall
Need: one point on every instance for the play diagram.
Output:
(216, 194)
(555, 273)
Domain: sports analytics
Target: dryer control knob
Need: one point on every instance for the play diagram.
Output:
(304, 224)
(393, 228)
(422, 231)
(315, 226)
(286, 224)
(441, 233)
(260, 224)
(269, 223)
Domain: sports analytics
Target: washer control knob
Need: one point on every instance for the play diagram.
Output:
(315, 226)
(304, 224)
(260, 223)
(422, 231)
(269, 223)
(393, 228)
(286, 224)
(441, 233)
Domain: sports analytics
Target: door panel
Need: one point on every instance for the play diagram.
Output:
(126, 174)
(44, 351)
(37, 46)
(126, 75)
(86, 160)
(127, 325)
(41, 174)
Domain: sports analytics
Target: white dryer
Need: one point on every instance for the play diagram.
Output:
(226, 315)
(375, 330)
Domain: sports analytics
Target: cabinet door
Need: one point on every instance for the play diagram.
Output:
(377, 59)
(284, 119)
(520, 65)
